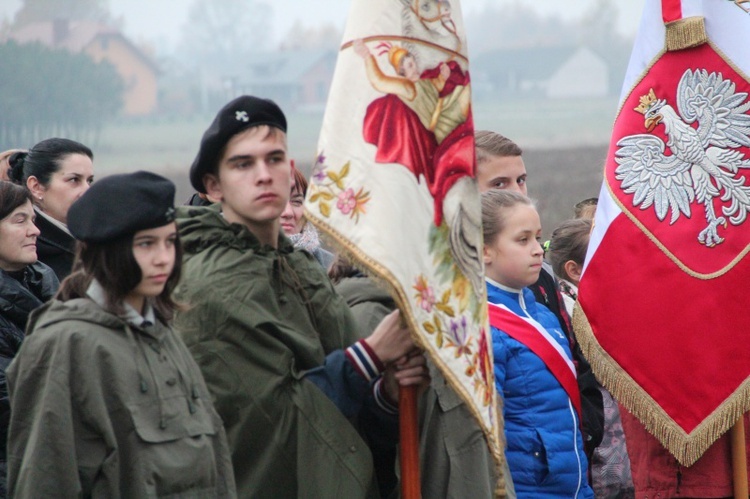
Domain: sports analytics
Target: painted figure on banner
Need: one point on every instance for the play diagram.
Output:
(424, 123)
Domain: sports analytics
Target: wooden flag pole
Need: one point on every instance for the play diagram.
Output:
(739, 459)
(409, 443)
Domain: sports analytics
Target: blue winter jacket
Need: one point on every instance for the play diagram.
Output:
(545, 449)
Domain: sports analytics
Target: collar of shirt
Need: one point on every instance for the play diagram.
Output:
(53, 221)
(519, 292)
(130, 315)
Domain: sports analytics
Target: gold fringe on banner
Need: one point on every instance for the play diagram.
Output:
(685, 447)
(686, 33)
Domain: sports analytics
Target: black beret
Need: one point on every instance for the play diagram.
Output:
(120, 205)
(242, 113)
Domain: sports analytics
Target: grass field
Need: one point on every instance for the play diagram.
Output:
(564, 146)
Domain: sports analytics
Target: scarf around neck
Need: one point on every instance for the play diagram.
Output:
(306, 239)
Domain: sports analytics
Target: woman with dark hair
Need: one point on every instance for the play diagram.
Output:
(302, 234)
(57, 172)
(106, 399)
(25, 284)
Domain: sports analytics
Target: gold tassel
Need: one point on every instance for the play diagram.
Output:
(686, 33)
(498, 453)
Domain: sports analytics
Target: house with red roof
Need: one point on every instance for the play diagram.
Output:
(138, 71)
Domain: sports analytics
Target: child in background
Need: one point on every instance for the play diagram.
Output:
(610, 465)
(586, 208)
(534, 372)
(567, 251)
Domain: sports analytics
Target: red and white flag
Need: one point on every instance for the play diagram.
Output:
(393, 183)
(662, 312)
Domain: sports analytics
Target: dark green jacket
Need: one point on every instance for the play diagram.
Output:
(258, 319)
(104, 409)
(368, 302)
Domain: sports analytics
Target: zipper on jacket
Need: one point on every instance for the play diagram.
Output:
(575, 447)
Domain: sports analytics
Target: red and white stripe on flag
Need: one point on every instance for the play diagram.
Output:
(392, 185)
(662, 314)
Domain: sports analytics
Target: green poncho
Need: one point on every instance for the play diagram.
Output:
(258, 318)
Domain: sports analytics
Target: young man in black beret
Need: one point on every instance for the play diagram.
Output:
(276, 345)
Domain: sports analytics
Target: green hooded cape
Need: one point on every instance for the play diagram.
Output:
(257, 319)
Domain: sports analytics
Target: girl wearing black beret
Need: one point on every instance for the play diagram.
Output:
(106, 399)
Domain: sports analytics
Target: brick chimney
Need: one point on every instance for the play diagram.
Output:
(60, 31)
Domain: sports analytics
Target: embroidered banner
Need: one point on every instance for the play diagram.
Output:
(660, 313)
(393, 182)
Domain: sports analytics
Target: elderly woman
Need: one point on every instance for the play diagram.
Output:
(25, 284)
(57, 172)
(302, 234)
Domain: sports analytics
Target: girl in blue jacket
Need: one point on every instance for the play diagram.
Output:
(534, 372)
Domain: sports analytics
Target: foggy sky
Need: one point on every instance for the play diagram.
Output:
(160, 22)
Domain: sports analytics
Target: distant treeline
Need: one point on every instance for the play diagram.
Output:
(45, 93)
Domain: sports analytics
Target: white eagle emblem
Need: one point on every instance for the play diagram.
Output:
(704, 160)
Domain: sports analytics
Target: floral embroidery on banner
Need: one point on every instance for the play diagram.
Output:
(329, 190)
(449, 332)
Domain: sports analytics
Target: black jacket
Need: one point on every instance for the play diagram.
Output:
(55, 247)
(20, 293)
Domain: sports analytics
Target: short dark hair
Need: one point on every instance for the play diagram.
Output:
(11, 197)
(491, 144)
(114, 266)
(43, 160)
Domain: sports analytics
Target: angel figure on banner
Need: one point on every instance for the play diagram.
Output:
(424, 123)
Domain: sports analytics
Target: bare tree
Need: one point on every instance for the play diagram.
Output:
(599, 25)
(220, 34)
(515, 25)
(306, 37)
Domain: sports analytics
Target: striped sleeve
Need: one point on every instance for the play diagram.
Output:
(364, 360)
